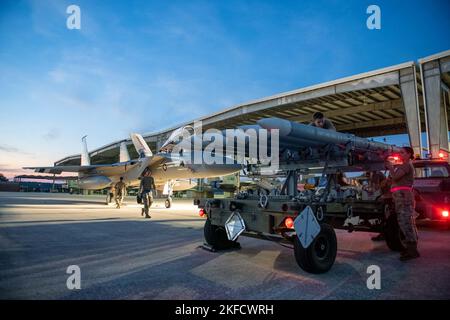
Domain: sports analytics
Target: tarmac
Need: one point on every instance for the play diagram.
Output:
(121, 255)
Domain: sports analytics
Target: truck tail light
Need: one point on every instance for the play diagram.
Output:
(289, 223)
(444, 213)
(443, 155)
(201, 212)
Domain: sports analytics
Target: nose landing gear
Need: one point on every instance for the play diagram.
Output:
(168, 202)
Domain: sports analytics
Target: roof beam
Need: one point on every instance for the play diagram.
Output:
(369, 124)
(380, 106)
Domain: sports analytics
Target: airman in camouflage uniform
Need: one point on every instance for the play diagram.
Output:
(402, 193)
(320, 121)
(120, 189)
(146, 190)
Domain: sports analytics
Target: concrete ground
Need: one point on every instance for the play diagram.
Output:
(123, 256)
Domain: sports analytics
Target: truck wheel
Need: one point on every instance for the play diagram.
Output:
(395, 239)
(217, 236)
(320, 255)
(168, 203)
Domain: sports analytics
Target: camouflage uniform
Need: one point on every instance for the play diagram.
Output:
(402, 193)
(147, 199)
(327, 124)
(404, 206)
(119, 193)
(146, 188)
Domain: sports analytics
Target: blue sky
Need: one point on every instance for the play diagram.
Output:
(143, 66)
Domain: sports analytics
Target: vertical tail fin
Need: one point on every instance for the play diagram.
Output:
(124, 156)
(141, 146)
(85, 160)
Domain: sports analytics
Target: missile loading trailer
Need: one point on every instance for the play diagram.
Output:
(306, 219)
(308, 226)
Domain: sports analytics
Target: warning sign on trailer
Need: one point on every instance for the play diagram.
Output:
(234, 226)
(306, 227)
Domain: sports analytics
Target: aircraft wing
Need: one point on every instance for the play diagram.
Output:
(82, 169)
(60, 169)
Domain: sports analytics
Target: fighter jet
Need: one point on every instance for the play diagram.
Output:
(170, 170)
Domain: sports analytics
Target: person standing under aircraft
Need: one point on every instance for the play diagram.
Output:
(110, 196)
(146, 190)
(119, 192)
(319, 120)
(402, 193)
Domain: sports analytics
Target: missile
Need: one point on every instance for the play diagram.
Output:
(287, 141)
(296, 131)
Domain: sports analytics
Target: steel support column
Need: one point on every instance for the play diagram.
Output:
(408, 87)
(435, 111)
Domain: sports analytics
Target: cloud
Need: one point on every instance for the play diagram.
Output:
(10, 171)
(10, 149)
(52, 134)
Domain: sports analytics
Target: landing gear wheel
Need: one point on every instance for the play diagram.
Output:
(320, 255)
(216, 237)
(395, 239)
(168, 203)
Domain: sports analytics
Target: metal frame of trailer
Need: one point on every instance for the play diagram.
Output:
(271, 218)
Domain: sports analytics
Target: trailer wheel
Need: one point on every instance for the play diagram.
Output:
(395, 239)
(320, 255)
(168, 203)
(217, 236)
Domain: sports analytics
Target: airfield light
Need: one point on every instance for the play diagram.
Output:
(289, 222)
